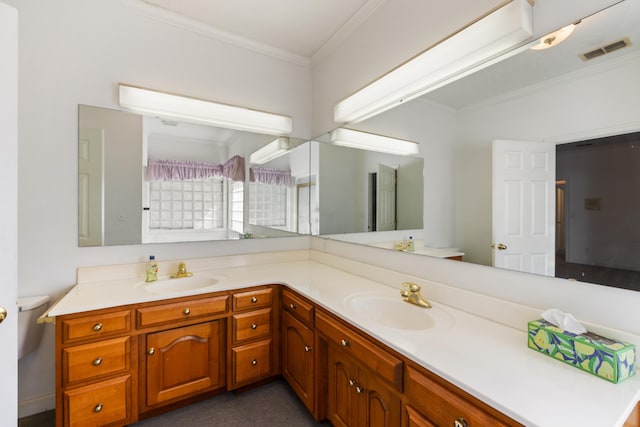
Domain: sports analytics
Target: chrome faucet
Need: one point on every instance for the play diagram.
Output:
(411, 293)
(182, 271)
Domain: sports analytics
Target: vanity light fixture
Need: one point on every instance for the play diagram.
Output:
(272, 150)
(468, 50)
(554, 38)
(195, 110)
(370, 141)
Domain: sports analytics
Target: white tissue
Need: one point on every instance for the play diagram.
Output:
(564, 321)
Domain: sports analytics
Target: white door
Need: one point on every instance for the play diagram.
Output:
(524, 206)
(9, 213)
(90, 187)
(385, 198)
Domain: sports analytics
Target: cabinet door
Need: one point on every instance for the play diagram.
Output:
(342, 401)
(382, 404)
(184, 361)
(298, 359)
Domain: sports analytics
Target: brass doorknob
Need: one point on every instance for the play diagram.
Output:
(500, 246)
(3, 314)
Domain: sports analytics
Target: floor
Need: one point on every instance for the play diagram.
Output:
(626, 279)
(273, 404)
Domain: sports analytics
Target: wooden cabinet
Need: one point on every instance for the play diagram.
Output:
(298, 353)
(252, 352)
(94, 375)
(184, 361)
(364, 381)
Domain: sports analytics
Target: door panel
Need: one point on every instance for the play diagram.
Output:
(385, 198)
(524, 206)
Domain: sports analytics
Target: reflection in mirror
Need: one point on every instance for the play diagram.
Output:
(365, 191)
(143, 179)
(582, 89)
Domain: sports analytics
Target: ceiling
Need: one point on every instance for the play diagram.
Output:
(300, 27)
(532, 67)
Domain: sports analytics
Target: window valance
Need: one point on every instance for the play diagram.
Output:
(271, 176)
(180, 170)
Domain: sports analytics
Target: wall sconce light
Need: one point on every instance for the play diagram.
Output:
(272, 150)
(201, 111)
(468, 50)
(369, 141)
(554, 38)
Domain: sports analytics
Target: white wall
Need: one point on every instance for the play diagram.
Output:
(75, 52)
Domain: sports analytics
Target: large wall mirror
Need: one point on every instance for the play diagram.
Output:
(142, 179)
(578, 100)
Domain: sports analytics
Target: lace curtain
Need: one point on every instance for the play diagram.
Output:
(271, 176)
(179, 170)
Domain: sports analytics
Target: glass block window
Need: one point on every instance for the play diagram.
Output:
(237, 206)
(268, 205)
(187, 205)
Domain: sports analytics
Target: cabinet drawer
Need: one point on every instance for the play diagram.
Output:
(252, 299)
(251, 325)
(442, 405)
(251, 361)
(298, 307)
(88, 361)
(373, 357)
(104, 403)
(98, 326)
(184, 310)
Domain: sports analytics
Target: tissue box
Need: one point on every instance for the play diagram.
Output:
(612, 360)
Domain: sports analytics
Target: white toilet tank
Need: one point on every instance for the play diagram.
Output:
(30, 332)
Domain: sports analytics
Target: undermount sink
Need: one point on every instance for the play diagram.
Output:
(164, 285)
(392, 312)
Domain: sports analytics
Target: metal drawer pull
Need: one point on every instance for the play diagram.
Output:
(97, 361)
(97, 408)
(352, 383)
(307, 348)
(254, 299)
(253, 326)
(344, 343)
(186, 311)
(97, 327)
(460, 422)
(292, 306)
(254, 362)
(359, 389)
(151, 351)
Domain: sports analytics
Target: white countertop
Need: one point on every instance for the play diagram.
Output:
(488, 360)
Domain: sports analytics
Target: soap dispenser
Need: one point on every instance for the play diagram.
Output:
(152, 270)
(410, 245)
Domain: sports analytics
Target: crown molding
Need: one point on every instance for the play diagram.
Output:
(162, 15)
(346, 30)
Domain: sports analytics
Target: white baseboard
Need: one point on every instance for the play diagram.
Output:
(36, 405)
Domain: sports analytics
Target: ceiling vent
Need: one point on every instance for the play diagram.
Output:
(611, 47)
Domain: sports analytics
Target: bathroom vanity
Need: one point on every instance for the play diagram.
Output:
(124, 353)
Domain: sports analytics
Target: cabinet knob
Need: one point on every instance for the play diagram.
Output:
(460, 422)
(307, 348)
(97, 327)
(97, 361)
(254, 326)
(292, 306)
(186, 311)
(344, 343)
(359, 389)
(254, 299)
(151, 351)
(97, 408)
(254, 362)
(352, 382)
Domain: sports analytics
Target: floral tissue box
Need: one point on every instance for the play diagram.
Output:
(612, 360)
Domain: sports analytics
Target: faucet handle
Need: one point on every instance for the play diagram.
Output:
(412, 286)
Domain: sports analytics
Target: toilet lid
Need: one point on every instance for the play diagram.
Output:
(29, 303)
